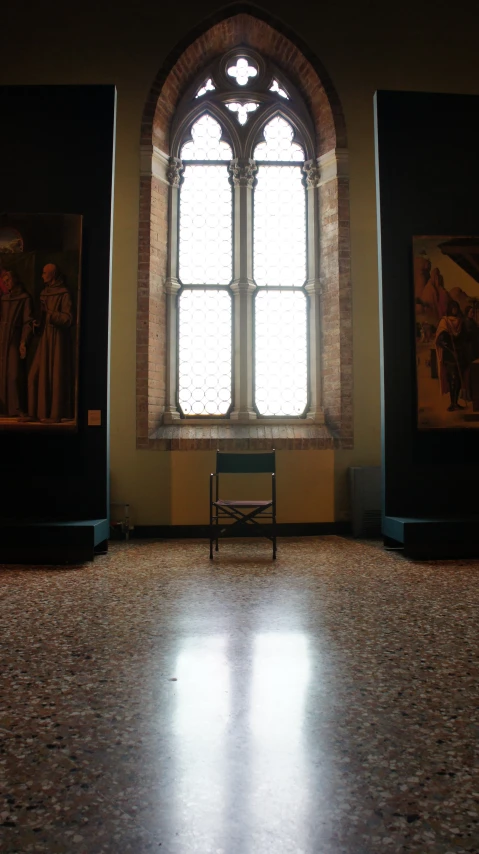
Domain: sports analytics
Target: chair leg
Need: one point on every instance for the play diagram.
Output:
(216, 549)
(273, 510)
(211, 515)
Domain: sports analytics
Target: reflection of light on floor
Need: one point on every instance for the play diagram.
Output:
(200, 718)
(203, 677)
(279, 764)
(280, 680)
(261, 761)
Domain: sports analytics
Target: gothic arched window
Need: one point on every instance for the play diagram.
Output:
(242, 285)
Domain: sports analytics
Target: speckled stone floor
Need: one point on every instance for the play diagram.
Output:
(154, 701)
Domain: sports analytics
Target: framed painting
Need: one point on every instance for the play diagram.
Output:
(40, 272)
(446, 302)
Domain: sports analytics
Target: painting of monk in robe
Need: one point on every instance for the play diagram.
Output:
(40, 258)
(50, 391)
(16, 330)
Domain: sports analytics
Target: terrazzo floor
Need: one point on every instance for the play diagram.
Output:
(326, 703)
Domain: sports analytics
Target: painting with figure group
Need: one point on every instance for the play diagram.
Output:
(446, 291)
(39, 320)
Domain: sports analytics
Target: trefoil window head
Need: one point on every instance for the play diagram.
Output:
(208, 86)
(242, 110)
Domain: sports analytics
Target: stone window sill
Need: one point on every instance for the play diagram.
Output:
(227, 436)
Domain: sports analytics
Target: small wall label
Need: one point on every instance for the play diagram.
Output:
(94, 417)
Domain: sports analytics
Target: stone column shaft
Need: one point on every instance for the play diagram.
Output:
(172, 413)
(313, 289)
(243, 287)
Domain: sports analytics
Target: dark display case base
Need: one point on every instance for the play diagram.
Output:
(53, 542)
(431, 539)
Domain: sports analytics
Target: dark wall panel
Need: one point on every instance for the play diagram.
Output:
(427, 183)
(56, 156)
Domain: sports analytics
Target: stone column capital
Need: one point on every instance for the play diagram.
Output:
(312, 174)
(243, 172)
(173, 173)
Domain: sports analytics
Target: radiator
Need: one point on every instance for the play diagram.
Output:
(365, 482)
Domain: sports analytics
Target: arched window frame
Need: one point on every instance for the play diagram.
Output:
(243, 140)
(244, 24)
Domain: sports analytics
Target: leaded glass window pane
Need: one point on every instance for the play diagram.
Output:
(278, 142)
(204, 351)
(206, 143)
(279, 227)
(206, 238)
(205, 264)
(281, 352)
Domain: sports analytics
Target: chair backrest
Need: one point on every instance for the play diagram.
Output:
(244, 463)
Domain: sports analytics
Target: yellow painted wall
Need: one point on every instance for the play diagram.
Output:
(364, 46)
(305, 486)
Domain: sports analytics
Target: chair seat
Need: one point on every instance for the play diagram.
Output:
(231, 503)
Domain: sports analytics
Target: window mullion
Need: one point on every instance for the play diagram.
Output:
(172, 287)
(313, 288)
(243, 287)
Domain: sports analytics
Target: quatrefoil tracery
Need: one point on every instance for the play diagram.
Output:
(242, 71)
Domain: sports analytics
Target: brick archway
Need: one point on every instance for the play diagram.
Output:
(314, 84)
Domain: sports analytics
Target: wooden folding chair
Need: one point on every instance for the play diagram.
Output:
(231, 517)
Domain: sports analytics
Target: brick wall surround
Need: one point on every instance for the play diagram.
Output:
(336, 309)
